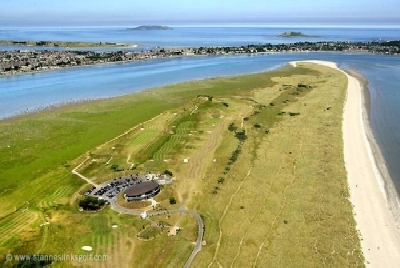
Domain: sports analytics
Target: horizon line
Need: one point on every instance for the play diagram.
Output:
(216, 25)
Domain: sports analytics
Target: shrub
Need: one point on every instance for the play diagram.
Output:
(257, 125)
(91, 203)
(172, 200)
(116, 168)
(168, 172)
(294, 114)
(241, 135)
(232, 127)
(225, 104)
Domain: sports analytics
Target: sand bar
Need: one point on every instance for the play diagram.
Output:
(380, 239)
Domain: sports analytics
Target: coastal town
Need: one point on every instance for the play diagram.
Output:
(25, 61)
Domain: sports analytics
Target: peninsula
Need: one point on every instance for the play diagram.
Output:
(62, 44)
(150, 28)
(16, 62)
(208, 145)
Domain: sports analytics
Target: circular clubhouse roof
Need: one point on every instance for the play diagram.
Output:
(142, 188)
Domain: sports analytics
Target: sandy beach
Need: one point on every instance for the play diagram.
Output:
(380, 238)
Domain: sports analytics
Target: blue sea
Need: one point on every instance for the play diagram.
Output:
(32, 91)
(195, 36)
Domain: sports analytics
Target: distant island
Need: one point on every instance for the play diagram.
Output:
(151, 28)
(293, 34)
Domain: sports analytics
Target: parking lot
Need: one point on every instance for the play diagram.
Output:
(110, 189)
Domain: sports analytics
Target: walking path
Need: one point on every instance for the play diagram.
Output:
(200, 223)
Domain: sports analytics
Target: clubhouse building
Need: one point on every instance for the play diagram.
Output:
(142, 191)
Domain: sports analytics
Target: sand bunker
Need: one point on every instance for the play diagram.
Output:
(87, 248)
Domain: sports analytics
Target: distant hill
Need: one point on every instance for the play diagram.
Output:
(150, 28)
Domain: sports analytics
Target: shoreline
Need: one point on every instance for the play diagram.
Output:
(372, 193)
(266, 53)
(385, 181)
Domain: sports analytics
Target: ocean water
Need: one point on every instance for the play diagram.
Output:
(195, 36)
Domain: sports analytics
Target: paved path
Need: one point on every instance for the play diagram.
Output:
(75, 172)
(200, 223)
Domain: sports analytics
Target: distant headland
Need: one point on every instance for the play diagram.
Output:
(293, 34)
(63, 44)
(150, 28)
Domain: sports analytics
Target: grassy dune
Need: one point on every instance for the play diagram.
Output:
(269, 198)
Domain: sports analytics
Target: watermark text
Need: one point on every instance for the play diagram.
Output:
(58, 258)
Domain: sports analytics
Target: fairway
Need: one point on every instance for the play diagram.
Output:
(259, 157)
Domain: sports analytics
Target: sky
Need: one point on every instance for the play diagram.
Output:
(131, 12)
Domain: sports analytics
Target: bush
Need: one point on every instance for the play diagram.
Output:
(294, 114)
(225, 104)
(168, 172)
(241, 135)
(172, 200)
(232, 127)
(91, 203)
(257, 125)
(245, 119)
(116, 168)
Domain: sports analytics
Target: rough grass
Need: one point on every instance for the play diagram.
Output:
(285, 203)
